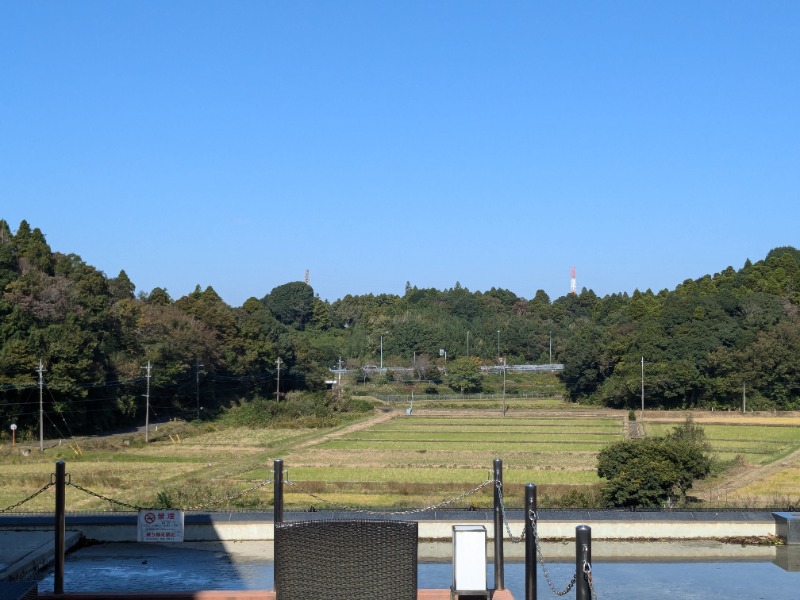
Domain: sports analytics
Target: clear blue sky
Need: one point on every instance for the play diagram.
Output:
(238, 143)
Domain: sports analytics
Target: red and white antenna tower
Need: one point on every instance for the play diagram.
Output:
(573, 284)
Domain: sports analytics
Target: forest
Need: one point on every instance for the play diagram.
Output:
(84, 340)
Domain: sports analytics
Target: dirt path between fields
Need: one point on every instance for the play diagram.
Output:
(380, 417)
(742, 476)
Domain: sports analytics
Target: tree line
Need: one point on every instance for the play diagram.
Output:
(709, 343)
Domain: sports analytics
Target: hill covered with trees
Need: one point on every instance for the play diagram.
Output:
(703, 344)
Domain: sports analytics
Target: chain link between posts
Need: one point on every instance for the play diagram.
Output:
(227, 498)
(532, 517)
(233, 496)
(106, 498)
(499, 486)
(28, 499)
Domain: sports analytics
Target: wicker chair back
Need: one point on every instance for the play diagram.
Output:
(346, 560)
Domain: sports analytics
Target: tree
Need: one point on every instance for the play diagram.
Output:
(647, 472)
(291, 303)
(158, 297)
(688, 449)
(464, 374)
(121, 287)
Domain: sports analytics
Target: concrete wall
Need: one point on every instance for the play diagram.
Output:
(123, 529)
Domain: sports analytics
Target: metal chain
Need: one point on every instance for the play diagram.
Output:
(514, 540)
(106, 498)
(28, 499)
(134, 507)
(230, 497)
(395, 513)
(587, 573)
(533, 519)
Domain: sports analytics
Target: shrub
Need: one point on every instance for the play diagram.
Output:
(648, 472)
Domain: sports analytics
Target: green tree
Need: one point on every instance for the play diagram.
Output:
(464, 374)
(121, 287)
(291, 303)
(649, 472)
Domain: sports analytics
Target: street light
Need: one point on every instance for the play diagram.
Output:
(498, 345)
(13, 434)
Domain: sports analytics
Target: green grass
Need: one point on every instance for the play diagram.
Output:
(497, 447)
(758, 444)
(408, 461)
(563, 424)
(469, 476)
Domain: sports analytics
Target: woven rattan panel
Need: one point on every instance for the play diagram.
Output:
(346, 560)
(19, 590)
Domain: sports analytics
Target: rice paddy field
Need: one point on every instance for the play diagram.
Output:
(761, 451)
(437, 454)
(394, 461)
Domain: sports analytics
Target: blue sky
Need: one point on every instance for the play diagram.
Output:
(496, 144)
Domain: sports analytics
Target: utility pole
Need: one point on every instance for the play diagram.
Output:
(498, 345)
(744, 397)
(198, 364)
(381, 353)
(467, 343)
(504, 386)
(40, 370)
(339, 383)
(643, 386)
(551, 347)
(147, 406)
(278, 388)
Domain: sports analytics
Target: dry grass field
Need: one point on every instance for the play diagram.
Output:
(393, 461)
(761, 451)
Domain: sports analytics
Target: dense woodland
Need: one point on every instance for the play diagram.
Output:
(705, 344)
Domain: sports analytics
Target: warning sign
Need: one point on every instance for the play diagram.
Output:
(160, 526)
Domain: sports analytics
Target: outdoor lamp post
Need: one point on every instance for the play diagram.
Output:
(13, 434)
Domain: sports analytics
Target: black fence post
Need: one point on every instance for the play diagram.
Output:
(499, 567)
(583, 557)
(530, 541)
(60, 526)
(277, 475)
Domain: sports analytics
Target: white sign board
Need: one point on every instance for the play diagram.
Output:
(156, 525)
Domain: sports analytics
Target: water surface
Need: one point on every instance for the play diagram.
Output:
(129, 567)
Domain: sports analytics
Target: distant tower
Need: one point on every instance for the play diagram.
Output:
(573, 284)
(308, 277)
